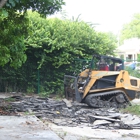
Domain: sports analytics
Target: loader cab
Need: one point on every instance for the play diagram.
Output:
(106, 63)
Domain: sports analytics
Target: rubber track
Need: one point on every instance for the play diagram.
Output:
(127, 102)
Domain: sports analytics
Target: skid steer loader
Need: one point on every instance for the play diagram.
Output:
(104, 84)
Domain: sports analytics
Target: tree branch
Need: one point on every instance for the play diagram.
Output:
(2, 3)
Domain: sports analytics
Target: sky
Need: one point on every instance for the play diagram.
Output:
(107, 15)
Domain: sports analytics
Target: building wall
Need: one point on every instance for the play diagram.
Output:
(129, 50)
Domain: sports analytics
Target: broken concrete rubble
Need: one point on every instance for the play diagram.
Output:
(66, 113)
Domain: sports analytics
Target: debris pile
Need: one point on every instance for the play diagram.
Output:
(66, 113)
(3, 112)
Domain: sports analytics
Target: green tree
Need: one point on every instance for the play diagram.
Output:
(131, 29)
(55, 44)
(65, 40)
(44, 7)
(54, 47)
(138, 59)
(12, 48)
(14, 27)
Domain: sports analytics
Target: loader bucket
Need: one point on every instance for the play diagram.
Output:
(70, 88)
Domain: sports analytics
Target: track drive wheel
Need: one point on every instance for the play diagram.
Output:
(114, 105)
(107, 104)
(91, 101)
(101, 103)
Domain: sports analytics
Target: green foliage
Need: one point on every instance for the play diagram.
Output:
(9, 99)
(134, 109)
(134, 73)
(12, 48)
(65, 40)
(53, 47)
(131, 29)
(138, 58)
(14, 27)
(44, 94)
(44, 7)
(56, 44)
(30, 89)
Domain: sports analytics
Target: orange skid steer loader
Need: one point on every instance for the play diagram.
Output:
(104, 84)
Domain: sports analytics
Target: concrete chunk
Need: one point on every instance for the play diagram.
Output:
(68, 103)
(101, 122)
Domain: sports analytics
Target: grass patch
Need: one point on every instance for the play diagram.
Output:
(134, 109)
(28, 113)
(10, 99)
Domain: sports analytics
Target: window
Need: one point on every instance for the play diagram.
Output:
(133, 82)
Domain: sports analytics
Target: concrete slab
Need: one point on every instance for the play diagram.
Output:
(99, 134)
(5, 95)
(25, 128)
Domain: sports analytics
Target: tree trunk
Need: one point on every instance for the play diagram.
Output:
(2, 3)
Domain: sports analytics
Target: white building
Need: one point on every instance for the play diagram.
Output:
(129, 50)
